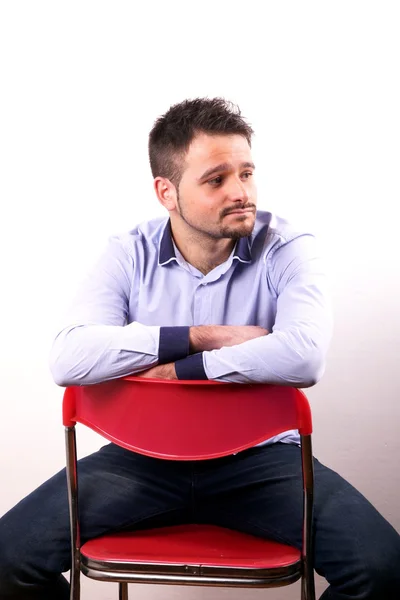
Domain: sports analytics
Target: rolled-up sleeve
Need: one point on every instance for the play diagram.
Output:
(294, 352)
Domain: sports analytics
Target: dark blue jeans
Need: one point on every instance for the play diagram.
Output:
(258, 491)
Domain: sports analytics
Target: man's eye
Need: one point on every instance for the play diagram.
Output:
(247, 175)
(215, 181)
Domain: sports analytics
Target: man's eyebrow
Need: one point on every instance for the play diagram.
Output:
(224, 167)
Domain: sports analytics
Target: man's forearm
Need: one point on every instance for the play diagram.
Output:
(213, 337)
(89, 354)
(292, 357)
(160, 372)
(203, 338)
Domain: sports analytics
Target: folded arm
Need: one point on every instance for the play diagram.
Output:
(295, 351)
(99, 344)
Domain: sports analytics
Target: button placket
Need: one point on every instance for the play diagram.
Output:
(202, 304)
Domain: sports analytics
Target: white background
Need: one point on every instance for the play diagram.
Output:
(81, 85)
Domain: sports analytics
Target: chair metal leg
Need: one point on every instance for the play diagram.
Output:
(307, 590)
(123, 591)
(307, 584)
(75, 586)
(72, 481)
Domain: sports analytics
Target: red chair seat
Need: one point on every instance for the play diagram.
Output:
(197, 545)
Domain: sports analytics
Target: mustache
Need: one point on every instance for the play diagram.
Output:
(245, 206)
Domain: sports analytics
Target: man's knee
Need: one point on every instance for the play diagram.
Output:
(382, 574)
(369, 573)
(22, 574)
(10, 563)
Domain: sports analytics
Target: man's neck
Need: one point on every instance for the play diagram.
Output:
(201, 250)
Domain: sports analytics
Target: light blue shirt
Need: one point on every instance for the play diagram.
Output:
(135, 309)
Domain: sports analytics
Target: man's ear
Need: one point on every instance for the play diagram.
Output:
(166, 192)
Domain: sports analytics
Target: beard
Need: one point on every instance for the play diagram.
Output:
(243, 227)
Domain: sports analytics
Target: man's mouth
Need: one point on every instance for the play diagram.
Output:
(240, 211)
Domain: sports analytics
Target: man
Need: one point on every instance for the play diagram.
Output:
(216, 291)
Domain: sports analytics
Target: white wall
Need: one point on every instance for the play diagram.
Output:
(82, 83)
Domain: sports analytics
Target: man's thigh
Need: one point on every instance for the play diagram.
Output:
(259, 491)
(117, 489)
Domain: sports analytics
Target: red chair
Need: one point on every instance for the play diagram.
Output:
(167, 420)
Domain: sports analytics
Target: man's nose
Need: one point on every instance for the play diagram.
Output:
(236, 190)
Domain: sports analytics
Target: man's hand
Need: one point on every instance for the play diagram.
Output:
(214, 337)
(160, 372)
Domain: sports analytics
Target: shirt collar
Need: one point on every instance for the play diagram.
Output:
(243, 250)
(166, 252)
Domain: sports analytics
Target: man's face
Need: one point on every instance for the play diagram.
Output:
(217, 194)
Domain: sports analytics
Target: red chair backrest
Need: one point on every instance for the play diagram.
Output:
(186, 420)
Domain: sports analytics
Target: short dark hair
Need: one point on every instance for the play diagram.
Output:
(173, 132)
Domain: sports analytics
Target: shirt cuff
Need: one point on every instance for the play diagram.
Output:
(173, 344)
(191, 367)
